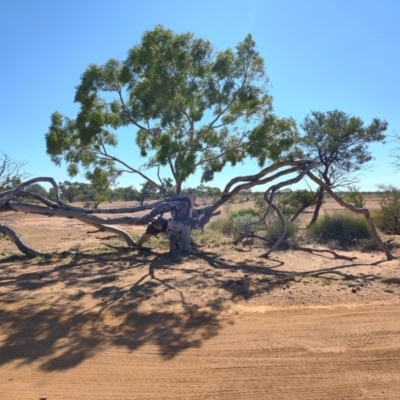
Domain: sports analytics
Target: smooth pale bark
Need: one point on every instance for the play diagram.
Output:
(179, 229)
(82, 216)
(91, 220)
(18, 241)
(5, 197)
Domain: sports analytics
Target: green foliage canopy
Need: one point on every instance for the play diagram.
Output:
(339, 142)
(190, 106)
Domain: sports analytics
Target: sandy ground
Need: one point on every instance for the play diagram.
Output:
(221, 323)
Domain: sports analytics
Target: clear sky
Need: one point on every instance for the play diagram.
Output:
(320, 55)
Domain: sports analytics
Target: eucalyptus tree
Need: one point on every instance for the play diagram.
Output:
(188, 105)
(339, 143)
(71, 191)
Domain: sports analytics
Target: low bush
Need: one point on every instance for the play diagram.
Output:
(209, 237)
(354, 197)
(223, 225)
(236, 222)
(387, 219)
(242, 212)
(274, 232)
(290, 203)
(260, 204)
(242, 221)
(344, 229)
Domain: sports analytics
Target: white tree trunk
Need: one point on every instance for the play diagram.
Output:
(179, 230)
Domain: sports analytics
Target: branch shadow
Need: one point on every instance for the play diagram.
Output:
(258, 279)
(255, 279)
(58, 314)
(58, 311)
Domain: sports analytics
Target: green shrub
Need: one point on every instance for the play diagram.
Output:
(345, 229)
(274, 232)
(241, 221)
(354, 197)
(295, 200)
(368, 245)
(225, 226)
(387, 219)
(260, 204)
(236, 222)
(209, 237)
(242, 212)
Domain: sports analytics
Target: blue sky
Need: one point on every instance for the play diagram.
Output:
(320, 55)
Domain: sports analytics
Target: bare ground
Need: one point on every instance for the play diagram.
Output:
(222, 323)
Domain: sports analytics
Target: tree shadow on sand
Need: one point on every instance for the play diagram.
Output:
(44, 319)
(59, 311)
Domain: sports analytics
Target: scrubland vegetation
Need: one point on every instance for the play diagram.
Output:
(338, 230)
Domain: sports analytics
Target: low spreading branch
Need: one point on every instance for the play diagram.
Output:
(180, 207)
(18, 242)
(62, 210)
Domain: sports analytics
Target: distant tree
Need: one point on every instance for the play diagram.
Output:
(11, 172)
(167, 187)
(191, 107)
(206, 192)
(99, 190)
(38, 189)
(90, 193)
(70, 191)
(148, 191)
(128, 193)
(339, 142)
(293, 203)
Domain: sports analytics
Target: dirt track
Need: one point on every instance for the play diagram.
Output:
(318, 353)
